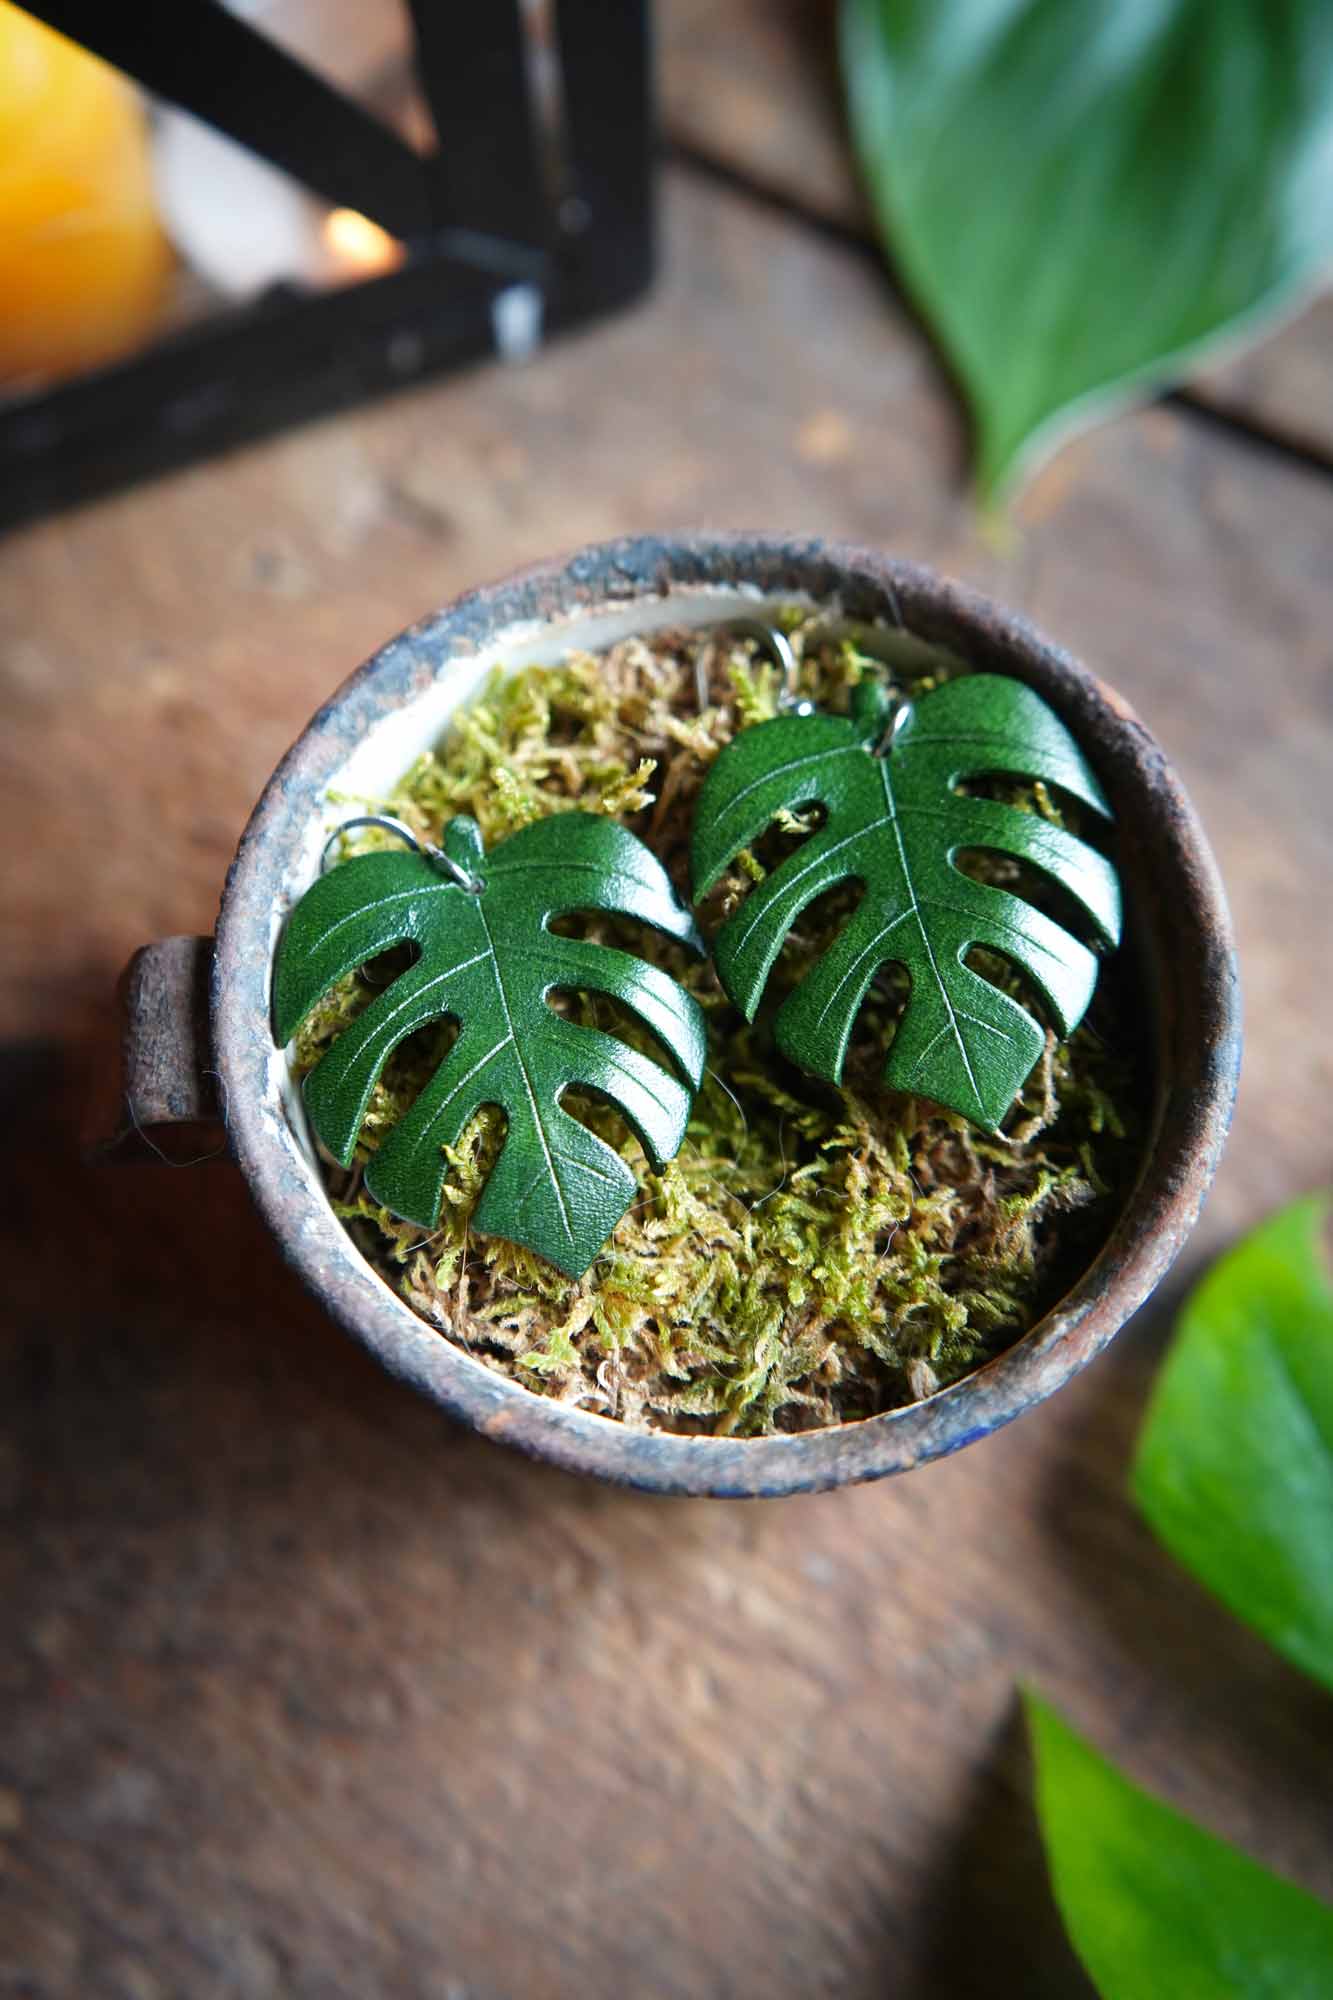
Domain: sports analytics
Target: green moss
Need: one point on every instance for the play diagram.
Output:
(813, 1255)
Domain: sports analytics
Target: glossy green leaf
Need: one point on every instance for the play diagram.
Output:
(490, 961)
(1081, 195)
(1153, 1904)
(895, 823)
(1234, 1468)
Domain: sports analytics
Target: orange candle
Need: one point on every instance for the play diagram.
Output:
(83, 260)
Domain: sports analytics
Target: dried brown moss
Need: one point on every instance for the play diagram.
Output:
(813, 1255)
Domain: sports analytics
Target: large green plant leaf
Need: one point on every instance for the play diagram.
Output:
(1081, 193)
(1235, 1464)
(1153, 1904)
(895, 823)
(490, 961)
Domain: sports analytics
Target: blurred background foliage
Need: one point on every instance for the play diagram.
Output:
(1234, 1472)
(1085, 199)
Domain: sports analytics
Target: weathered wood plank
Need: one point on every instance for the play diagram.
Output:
(1284, 386)
(312, 1695)
(753, 86)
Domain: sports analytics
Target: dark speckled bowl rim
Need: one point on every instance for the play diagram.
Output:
(1172, 887)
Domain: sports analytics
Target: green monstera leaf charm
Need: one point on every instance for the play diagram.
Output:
(489, 959)
(895, 822)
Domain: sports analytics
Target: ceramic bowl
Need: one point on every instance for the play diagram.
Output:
(400, 702)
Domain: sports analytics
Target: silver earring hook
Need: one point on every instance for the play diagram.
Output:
(435, 855)
(778, 647)
(902, 715)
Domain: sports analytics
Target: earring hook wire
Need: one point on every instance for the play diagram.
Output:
(463, 877)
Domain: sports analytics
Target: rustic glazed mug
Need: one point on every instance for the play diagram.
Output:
(400, 703)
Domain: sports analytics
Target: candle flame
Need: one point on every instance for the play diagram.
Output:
(360, 245)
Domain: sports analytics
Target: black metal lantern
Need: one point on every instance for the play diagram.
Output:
(531, 212)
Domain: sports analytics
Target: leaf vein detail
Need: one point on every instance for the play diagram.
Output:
(533, 1103)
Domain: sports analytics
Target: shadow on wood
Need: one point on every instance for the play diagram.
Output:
(155, 1331)
(1208, 1715)
(992, 1923)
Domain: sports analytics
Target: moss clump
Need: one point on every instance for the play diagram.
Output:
(813, 1255)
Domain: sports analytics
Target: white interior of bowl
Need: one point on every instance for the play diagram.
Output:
(393, 743)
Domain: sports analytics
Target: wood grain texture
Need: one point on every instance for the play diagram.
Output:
(753, 87)
(1284, 386)
(307, 1693)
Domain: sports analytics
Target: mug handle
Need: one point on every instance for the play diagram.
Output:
(168, 1107)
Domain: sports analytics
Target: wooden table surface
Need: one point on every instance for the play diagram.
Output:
(306, 1692)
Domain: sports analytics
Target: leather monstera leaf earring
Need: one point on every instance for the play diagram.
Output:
(488, 958)
(887, 777)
